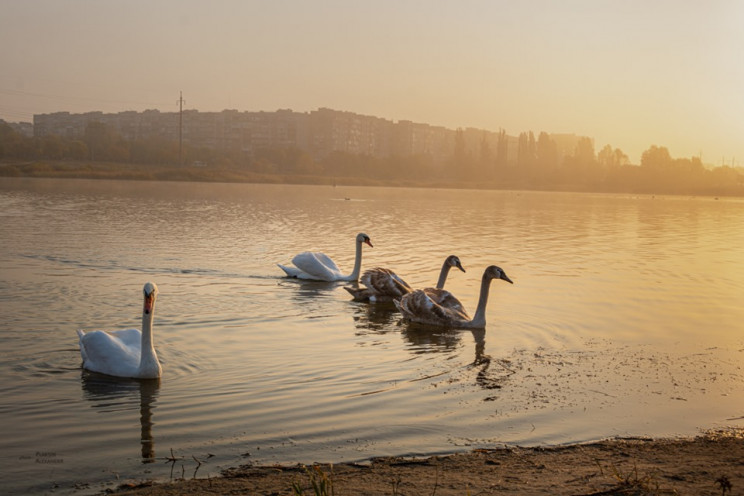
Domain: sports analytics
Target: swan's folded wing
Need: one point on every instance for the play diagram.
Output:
(415, 304)
(131, 338)
(385, 282)
(104, 352)
(445, 299)
(418, 307)
(318, 265)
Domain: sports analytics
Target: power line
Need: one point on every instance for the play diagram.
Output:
(180, 127)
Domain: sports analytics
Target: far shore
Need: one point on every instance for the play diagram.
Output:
(216, 174)
(712, 464)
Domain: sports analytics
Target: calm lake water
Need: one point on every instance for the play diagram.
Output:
(625, 319)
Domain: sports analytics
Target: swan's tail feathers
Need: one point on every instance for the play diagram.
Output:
(290, 271)
(397, 304)
(354, 292)
(360, 294)
(80, 334)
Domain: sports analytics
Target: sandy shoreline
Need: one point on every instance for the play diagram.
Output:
(712, 464)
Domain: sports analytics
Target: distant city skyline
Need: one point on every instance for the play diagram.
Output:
(320, 132)
(629, 74)
(250, 146)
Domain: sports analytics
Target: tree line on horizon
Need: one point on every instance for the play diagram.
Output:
(538, 163)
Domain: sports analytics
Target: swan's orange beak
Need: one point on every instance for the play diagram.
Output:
(149, 300)
(368, 242)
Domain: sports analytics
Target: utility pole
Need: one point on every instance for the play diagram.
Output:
(180, 128)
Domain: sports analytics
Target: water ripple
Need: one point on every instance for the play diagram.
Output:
(620, 306)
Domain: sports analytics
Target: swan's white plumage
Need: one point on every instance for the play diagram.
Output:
(127, 352)
(422, 308)
(316, 266)
(111, 352)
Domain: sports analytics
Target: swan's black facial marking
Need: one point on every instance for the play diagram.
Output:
(150, 291)
(149, 301)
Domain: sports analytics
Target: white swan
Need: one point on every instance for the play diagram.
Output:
(384, 285)
(125, 353)
(420, 308)
(319, 267)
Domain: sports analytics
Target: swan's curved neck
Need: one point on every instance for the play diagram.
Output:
(479, 319)
(443, 275)
(148, 357)
(357, 263)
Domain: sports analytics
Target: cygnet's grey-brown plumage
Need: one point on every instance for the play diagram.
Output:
(384, 285)
(420, 307)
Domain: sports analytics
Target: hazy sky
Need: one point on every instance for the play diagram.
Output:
(629, 73)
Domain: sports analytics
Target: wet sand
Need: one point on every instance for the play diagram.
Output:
(712, 464)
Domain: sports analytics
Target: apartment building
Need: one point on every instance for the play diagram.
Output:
(319, 132)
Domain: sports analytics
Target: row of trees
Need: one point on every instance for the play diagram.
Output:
(538, 163)
(538, 160)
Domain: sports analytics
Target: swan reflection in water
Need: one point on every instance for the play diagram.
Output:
(485, 378)
(310, 297)
(113, 394)
(379, 319)
(425, 339)
(490, 373)
(422, 339)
